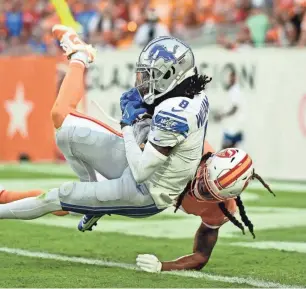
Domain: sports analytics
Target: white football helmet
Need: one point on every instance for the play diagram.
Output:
(225, 175)
(163, 64)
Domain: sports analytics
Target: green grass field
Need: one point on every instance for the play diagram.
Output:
(50, 252)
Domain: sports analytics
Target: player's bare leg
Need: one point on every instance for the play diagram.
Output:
(72, 88)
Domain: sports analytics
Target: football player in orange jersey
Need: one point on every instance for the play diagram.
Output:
(213, 195)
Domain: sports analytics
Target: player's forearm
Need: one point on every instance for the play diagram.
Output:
(142, 163)
(194, 261)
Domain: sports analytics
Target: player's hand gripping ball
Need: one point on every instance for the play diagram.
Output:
(131, 107)
(131, 95)
(132, 112)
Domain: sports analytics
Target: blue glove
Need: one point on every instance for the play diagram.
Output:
(131, 112)
(131, 95)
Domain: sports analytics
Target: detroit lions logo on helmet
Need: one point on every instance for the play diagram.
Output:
(160, 51)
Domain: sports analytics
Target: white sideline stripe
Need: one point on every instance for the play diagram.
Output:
(286, 246)
(192, 274)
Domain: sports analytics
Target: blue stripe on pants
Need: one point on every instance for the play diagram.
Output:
(128, 211)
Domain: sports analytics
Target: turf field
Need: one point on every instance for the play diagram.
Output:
(50, 252)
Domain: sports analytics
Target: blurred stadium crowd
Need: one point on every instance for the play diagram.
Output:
(25, 25)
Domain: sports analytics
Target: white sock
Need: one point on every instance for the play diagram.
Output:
(80, 56)
(31, 208)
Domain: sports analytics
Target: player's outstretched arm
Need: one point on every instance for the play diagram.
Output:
(204, 242)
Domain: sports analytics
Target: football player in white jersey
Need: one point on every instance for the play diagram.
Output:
(169, 88)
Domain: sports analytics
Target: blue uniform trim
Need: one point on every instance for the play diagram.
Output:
(173, 115)
(171, 122)
(202, 115)
(129, 211)
(118, 207)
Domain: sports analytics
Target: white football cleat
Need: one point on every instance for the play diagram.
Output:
(71, 42)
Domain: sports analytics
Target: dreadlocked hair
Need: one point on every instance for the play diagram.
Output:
(190, 87)
(231, 217)
(244, 216)
(188, 186)
(242, 212)
(259, 178)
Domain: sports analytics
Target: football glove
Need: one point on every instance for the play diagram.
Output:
(148, 263)
(131, 95)
(132, 112)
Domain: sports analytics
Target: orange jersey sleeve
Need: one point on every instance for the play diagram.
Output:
(11, 196)
(209, 212)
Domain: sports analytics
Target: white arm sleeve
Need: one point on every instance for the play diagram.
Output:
(142, 163)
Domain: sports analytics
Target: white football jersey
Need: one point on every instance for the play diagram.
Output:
(181, 123)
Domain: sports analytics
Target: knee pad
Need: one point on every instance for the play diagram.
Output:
(78, 194)
(84, 135)
(66, 190)
(84, 141)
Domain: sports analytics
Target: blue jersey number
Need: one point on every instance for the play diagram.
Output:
(184, 104)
